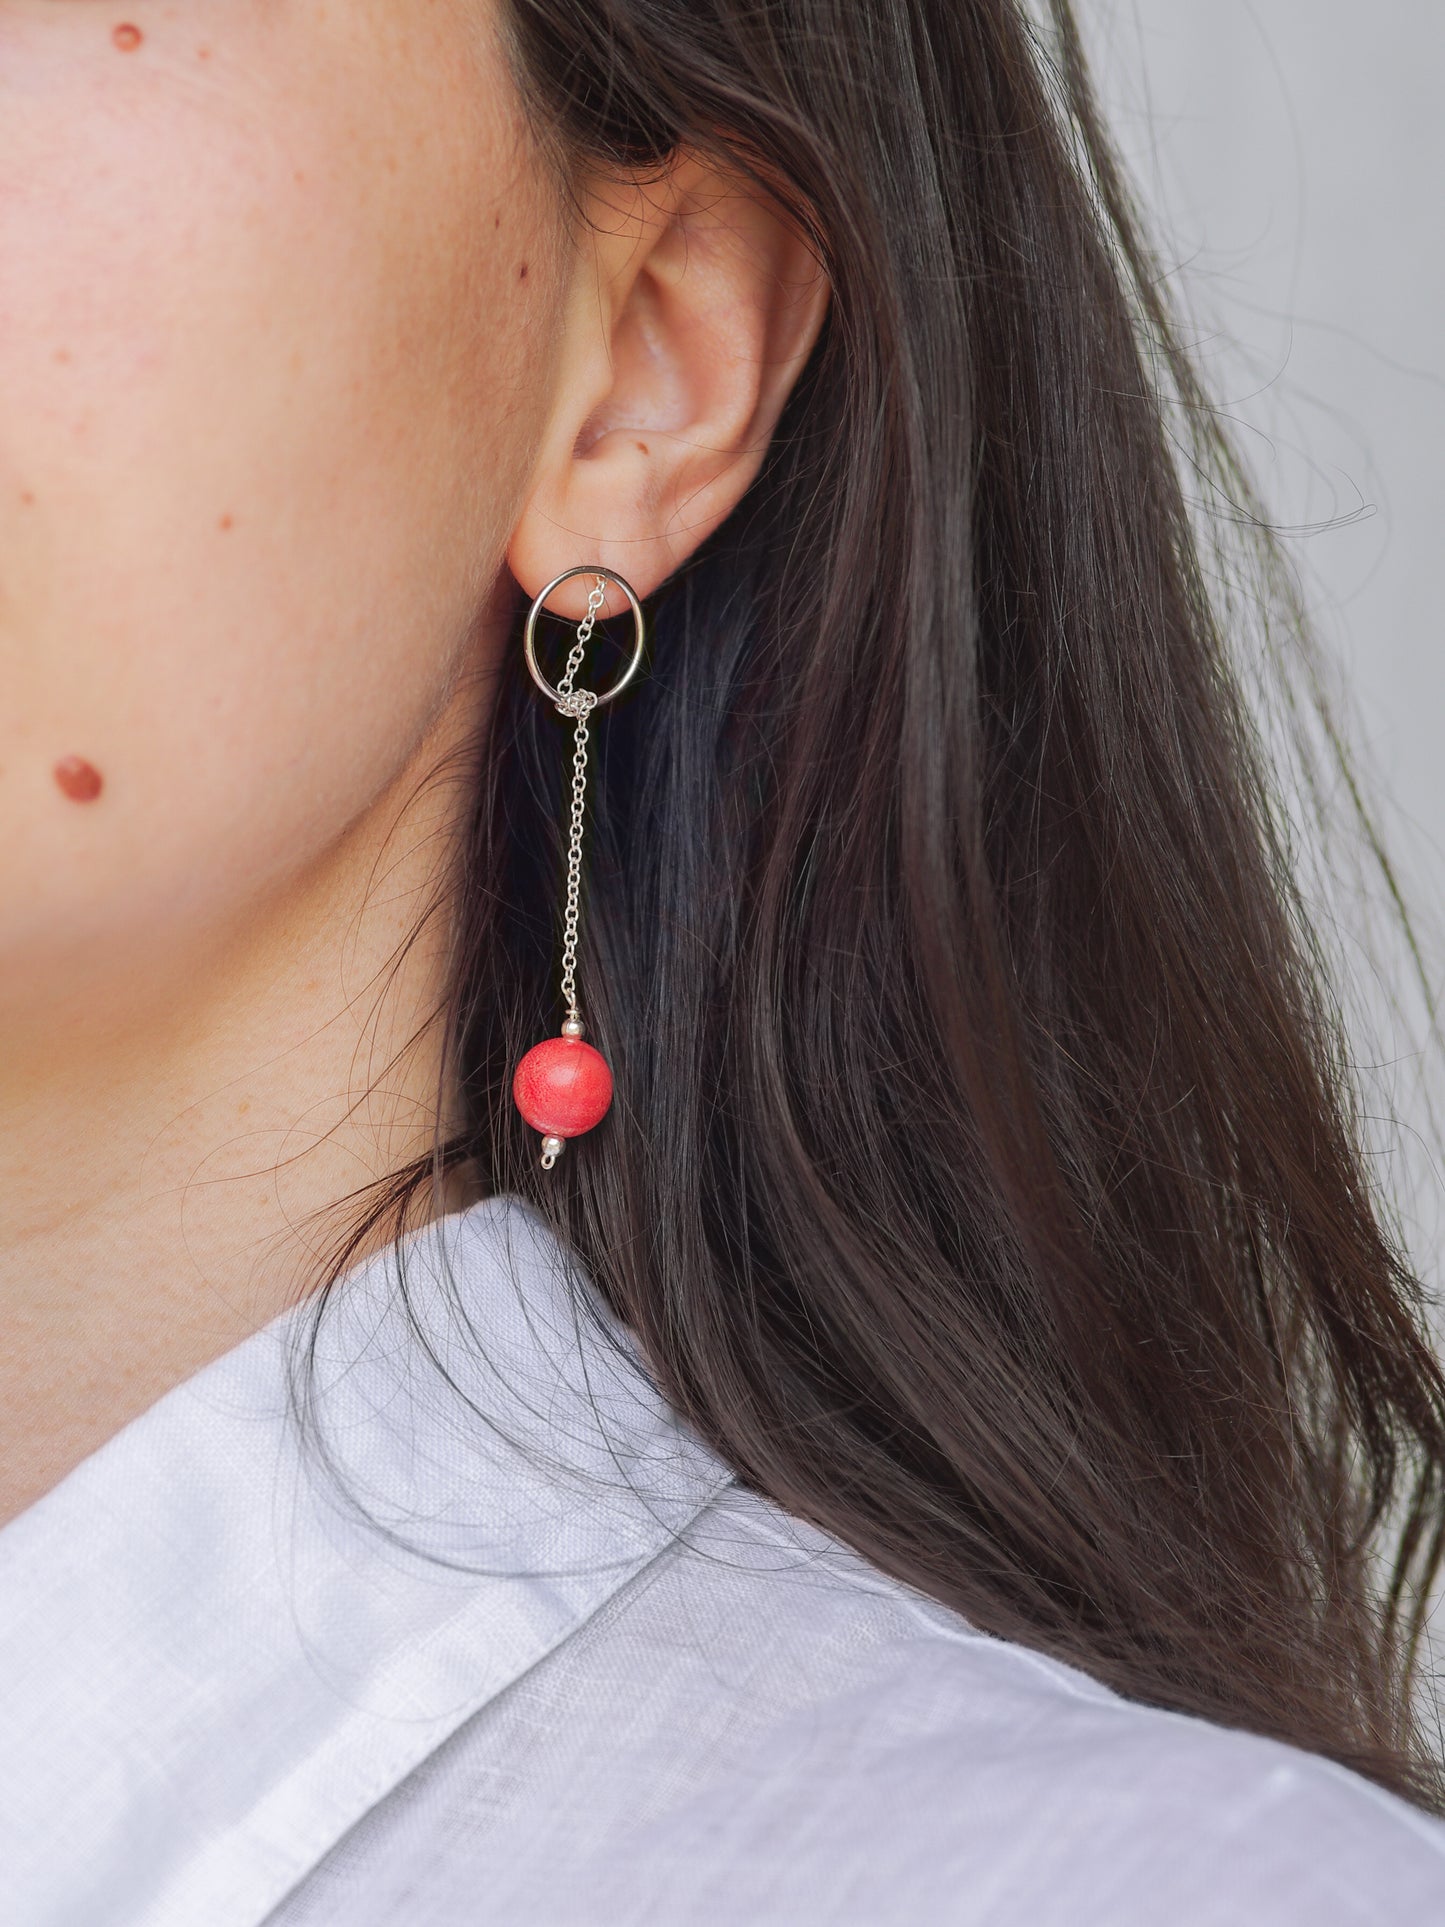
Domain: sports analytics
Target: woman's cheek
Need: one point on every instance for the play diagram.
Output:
(257, 451)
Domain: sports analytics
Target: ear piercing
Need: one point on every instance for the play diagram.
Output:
(563, 1086)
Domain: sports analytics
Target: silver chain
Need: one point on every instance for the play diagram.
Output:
(577, 703)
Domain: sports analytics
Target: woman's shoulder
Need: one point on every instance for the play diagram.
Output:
(761, 1727)
(994, 1783)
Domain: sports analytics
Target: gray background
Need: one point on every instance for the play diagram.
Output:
(1292, 153)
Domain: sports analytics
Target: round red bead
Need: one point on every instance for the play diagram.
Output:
(562, 1087)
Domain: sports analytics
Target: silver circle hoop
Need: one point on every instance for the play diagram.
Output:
(639, 623)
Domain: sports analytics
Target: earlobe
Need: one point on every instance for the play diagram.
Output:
(689, 319)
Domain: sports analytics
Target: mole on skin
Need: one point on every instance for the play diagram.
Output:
(127, 38)
(82, 782)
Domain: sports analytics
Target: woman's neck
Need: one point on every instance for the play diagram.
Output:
(174, 1129)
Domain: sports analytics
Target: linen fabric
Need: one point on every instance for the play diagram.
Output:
(495, 1641)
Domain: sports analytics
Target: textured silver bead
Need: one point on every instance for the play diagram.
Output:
(552, 1149)
(574, 1027)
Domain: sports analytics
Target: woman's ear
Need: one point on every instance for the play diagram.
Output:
(693, 306)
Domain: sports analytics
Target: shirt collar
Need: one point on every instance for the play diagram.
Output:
(215, 1665)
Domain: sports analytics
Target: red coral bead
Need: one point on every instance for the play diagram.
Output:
(562, 1087)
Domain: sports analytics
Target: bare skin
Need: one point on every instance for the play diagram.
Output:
(304, 379)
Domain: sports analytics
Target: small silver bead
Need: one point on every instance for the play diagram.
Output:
(573, 1027)
(552, 1149)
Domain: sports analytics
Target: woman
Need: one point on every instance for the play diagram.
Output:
(954, 1438)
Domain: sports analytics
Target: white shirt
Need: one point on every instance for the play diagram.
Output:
(582, 1679)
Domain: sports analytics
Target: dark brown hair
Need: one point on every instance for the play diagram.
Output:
(983, 1179)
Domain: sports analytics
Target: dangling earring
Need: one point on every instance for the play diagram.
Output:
(563, 1086)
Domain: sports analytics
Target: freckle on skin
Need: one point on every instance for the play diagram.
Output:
(226, 524)
(127, 38)
(27, 499)
(82, 782)
(522, 272)
(642, 448)
(62, 357)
